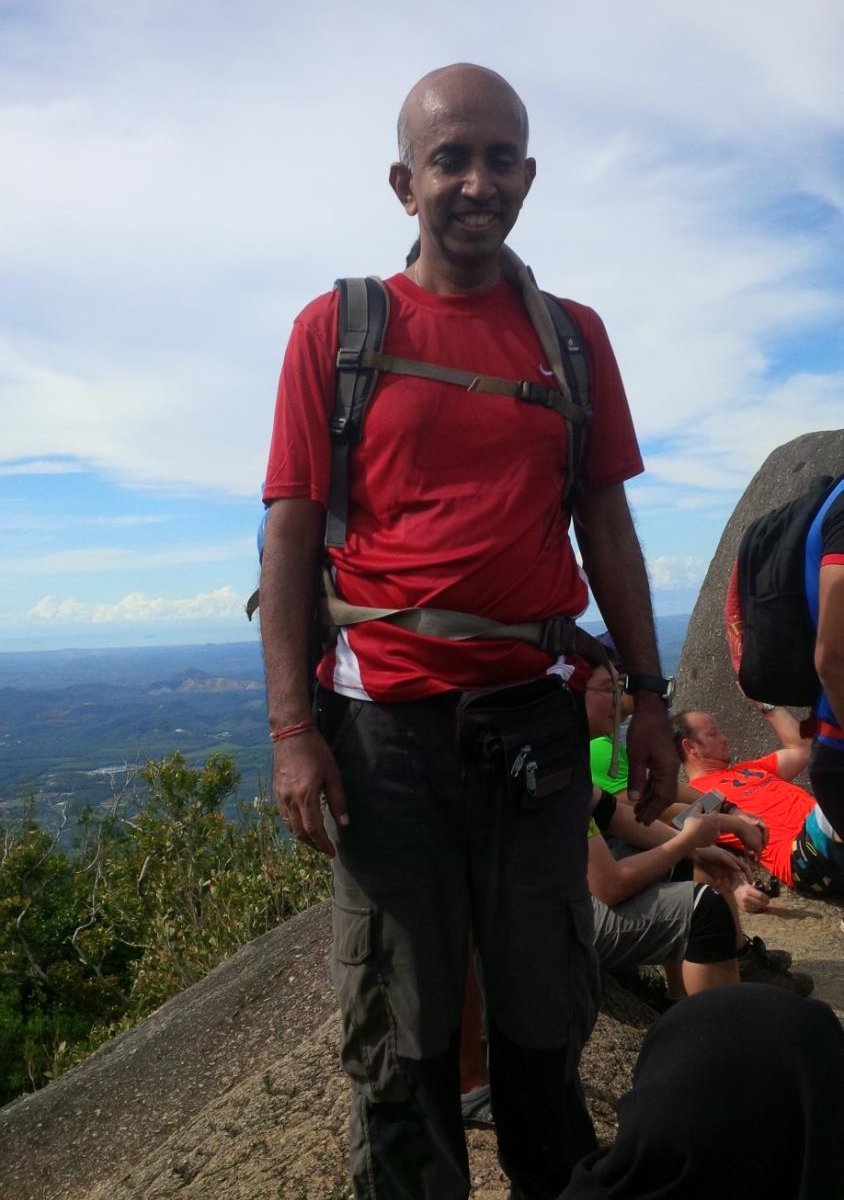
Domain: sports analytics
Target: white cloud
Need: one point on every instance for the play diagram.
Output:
(671, 572)
(127, 521)
(47, 466)
(98, 559)
(222, 603)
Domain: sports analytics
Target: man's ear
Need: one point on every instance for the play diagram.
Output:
(401, 181)
(688, 748)
(530, 173)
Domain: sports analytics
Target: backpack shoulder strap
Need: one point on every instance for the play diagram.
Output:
(813, 550)
(562, 342)
(362, 319)
(576, 371)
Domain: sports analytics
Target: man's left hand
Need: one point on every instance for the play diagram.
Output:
(652, 778)
(726, 870)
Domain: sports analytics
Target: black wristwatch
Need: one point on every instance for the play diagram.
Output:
(664, 688)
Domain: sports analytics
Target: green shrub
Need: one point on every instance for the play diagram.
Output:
(161, 887)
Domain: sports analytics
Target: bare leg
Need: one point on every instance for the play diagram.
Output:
(701, 977)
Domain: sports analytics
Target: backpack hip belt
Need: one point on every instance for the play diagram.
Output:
(556, 635)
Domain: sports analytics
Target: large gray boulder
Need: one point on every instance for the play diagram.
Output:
(705, 676)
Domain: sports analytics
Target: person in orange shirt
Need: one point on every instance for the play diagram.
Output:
(803, 851)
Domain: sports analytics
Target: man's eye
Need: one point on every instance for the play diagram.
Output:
(448, 162)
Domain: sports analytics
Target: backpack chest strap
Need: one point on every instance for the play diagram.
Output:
(521, 389)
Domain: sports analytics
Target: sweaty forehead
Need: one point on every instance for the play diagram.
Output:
(455, 105)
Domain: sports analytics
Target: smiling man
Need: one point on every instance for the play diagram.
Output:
(444, 764)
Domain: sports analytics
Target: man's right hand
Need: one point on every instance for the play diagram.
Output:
(752, 832)
(750, 899)
(700, 829)
(304, 771)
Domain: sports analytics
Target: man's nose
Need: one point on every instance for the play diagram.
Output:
(478, 182)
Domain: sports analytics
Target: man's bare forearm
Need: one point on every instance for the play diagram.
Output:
(787, 729)
(289, 569)
(613, 561)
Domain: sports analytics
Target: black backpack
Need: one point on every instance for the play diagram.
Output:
(778, 634)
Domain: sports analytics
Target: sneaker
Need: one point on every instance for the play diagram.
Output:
(477, 1109)
(756, 965)
(775, 960)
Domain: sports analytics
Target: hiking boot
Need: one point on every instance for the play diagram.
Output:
(758, 965)
(755, 949)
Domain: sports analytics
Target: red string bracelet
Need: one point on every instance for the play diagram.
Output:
(288, 731)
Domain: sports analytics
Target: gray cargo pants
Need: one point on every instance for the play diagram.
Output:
(434, 851)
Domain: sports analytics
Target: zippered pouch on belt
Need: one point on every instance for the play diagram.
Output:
(526, 734)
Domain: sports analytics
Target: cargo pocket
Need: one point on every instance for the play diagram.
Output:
(368, 1049)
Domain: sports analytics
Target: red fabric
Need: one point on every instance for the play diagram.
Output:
(454, 496)
(830, 560)
(733, 621)
(826, 729)
(756, 787)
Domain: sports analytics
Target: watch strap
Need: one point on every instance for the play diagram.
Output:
(649, 683)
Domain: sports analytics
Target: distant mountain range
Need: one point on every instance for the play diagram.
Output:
(75, 724)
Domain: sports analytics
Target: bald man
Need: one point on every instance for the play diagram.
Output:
(449, 779)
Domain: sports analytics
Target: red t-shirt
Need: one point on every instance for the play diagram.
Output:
(756, 787)
(454, 496)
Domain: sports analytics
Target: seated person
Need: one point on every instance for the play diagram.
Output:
(756, 962)
(802, 849)
(641, 919)
(611, 776)
(703, 1072)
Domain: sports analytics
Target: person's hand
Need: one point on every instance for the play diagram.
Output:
(759, 822)
(304, 771)
(653, 762)
(752, 832)
(750, 900)
(727, 871)
(700, 828)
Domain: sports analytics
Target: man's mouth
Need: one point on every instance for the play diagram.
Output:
(476, 220)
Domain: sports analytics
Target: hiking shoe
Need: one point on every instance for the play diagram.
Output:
(477, 1109)
(757, 965)
(756, 950)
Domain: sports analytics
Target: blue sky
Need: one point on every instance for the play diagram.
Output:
(179, 179)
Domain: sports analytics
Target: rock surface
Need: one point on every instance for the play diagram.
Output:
(705, 678)
(233, 1090)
